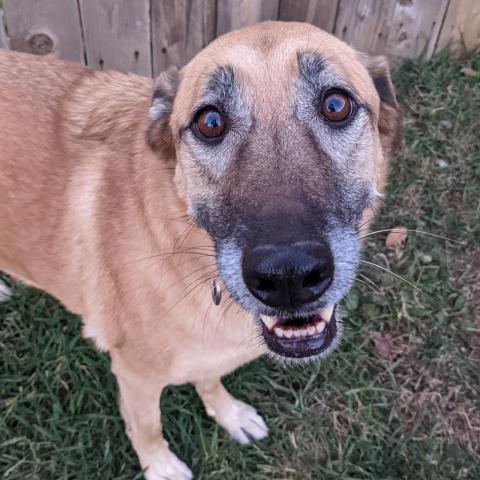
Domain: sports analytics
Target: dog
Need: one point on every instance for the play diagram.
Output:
(150, 208)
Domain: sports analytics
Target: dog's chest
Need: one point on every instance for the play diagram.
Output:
(216, 349)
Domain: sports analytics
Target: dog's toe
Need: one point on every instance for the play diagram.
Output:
(243, 423)
(166, 466)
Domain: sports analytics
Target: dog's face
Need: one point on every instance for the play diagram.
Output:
(280, 133)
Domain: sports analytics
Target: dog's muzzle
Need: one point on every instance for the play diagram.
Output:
(289, 279)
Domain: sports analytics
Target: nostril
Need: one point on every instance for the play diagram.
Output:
(264, 284)
(312, 279)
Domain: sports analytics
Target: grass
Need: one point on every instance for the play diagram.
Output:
(354, 416)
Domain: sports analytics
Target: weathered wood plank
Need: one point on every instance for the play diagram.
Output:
(49, 26)
(233, 14)
(461, 27)
(3, 33)
(415, 28)
(321, 13)
(365, 24)
(117, 34)
(180, 28)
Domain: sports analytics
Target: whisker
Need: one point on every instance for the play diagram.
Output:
(370, 283)
(179, 240)
(366, 222)
(200, 283)
(252, 336)
(394, 274)
(204, 267)
(416, 231)
(190, 250)
(208, 310)
(224, 313)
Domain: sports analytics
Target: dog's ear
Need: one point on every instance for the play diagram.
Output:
(390, 118)
(159, 133)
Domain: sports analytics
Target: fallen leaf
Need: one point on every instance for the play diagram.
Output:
(397, 238)
(383, 345)
(469, 72)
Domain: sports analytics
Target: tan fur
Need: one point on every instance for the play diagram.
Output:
(91, 214)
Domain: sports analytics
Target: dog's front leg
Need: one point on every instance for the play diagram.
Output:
(139, 400)
(240, 420)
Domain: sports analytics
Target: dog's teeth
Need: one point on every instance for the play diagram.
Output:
(303, 332)
(327, 312)
(278, 332)
(288, 333)
(268, 321)
(311, 330)
(297, 332)
(320, 327)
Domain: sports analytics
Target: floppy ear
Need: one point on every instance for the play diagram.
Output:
(159, 133)
(390, 118)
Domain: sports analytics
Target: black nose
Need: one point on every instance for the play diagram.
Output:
(288, 276)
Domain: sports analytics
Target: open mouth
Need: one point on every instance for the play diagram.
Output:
(300, 337)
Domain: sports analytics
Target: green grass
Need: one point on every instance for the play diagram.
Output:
(355, 415)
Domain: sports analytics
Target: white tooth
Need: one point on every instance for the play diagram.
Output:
(303, 332)
(268, 321)
(297, 332)
(321, 327)
(288, 333)
(327, 312)
(311, 330)
(278, 332)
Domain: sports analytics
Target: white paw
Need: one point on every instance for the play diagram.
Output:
(5, 292)
(242, 422)
(164, 465)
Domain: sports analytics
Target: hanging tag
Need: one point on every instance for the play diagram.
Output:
(216, 292)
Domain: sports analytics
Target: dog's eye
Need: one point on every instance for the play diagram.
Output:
(336, 106)
(210, 123)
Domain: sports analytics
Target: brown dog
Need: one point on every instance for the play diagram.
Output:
(255, 165)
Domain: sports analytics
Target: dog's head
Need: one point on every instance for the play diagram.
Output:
(281, 135)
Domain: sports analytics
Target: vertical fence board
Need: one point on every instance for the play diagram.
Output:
(180, 28)
(117, 34)
(3, 34)
(365, 23)
(49, 26)
(321, 13)
(233, 14)
(415, 28)
(461, 28)
(146, 36)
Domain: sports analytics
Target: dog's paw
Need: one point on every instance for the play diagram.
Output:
(164, 465)
(5, 292)
(242, 422)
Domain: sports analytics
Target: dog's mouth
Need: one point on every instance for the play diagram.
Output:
(301, 337)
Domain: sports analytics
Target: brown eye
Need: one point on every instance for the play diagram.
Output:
(336, 106)
(210, 123)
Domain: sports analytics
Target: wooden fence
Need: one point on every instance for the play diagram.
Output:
(144, 36)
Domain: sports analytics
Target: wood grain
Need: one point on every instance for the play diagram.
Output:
(415, 28)
(146, 36)
(365, 24)
(3, 34)
(49, 26)
(233, 14)
(180, 28)
(321, 13)
(461, 28)
(117, 34)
